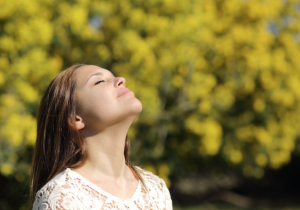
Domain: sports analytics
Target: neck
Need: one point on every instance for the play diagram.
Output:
(106, 152)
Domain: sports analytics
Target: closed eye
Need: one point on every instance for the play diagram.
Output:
(98, 82)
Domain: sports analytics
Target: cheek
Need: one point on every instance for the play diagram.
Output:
(99, 109)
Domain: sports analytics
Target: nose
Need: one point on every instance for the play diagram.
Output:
(120, 81)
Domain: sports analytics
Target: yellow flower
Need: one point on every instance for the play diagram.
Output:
(261, 160)
(6, 169)
(236, 156)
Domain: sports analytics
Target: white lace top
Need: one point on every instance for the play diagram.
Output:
(69, 191)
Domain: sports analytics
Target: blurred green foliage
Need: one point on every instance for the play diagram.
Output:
(216, 78)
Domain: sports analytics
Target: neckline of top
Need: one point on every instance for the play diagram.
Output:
(100, 190)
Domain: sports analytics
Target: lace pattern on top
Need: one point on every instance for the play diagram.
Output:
(69, 191)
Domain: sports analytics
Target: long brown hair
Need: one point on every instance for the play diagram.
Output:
(59, 144)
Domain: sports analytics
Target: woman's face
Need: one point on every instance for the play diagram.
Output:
(102, 99)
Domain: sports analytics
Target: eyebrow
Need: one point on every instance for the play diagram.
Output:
(96, 74)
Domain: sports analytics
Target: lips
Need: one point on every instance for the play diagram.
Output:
(124, 91)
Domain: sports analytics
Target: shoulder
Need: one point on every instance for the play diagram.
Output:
(59, 193)
(157, 189)
(152, 180)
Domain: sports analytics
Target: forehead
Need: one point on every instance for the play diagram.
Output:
(90, 69)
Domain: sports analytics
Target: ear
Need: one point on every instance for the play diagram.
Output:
(79, 122)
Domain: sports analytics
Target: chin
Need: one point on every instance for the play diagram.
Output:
(137, 107)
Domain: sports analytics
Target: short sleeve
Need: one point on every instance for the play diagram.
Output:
(167, 196)
(157, 191)
(58, 199)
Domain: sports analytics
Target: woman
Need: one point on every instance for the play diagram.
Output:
(81, 157)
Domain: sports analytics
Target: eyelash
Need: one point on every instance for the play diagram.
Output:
(98, 82)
